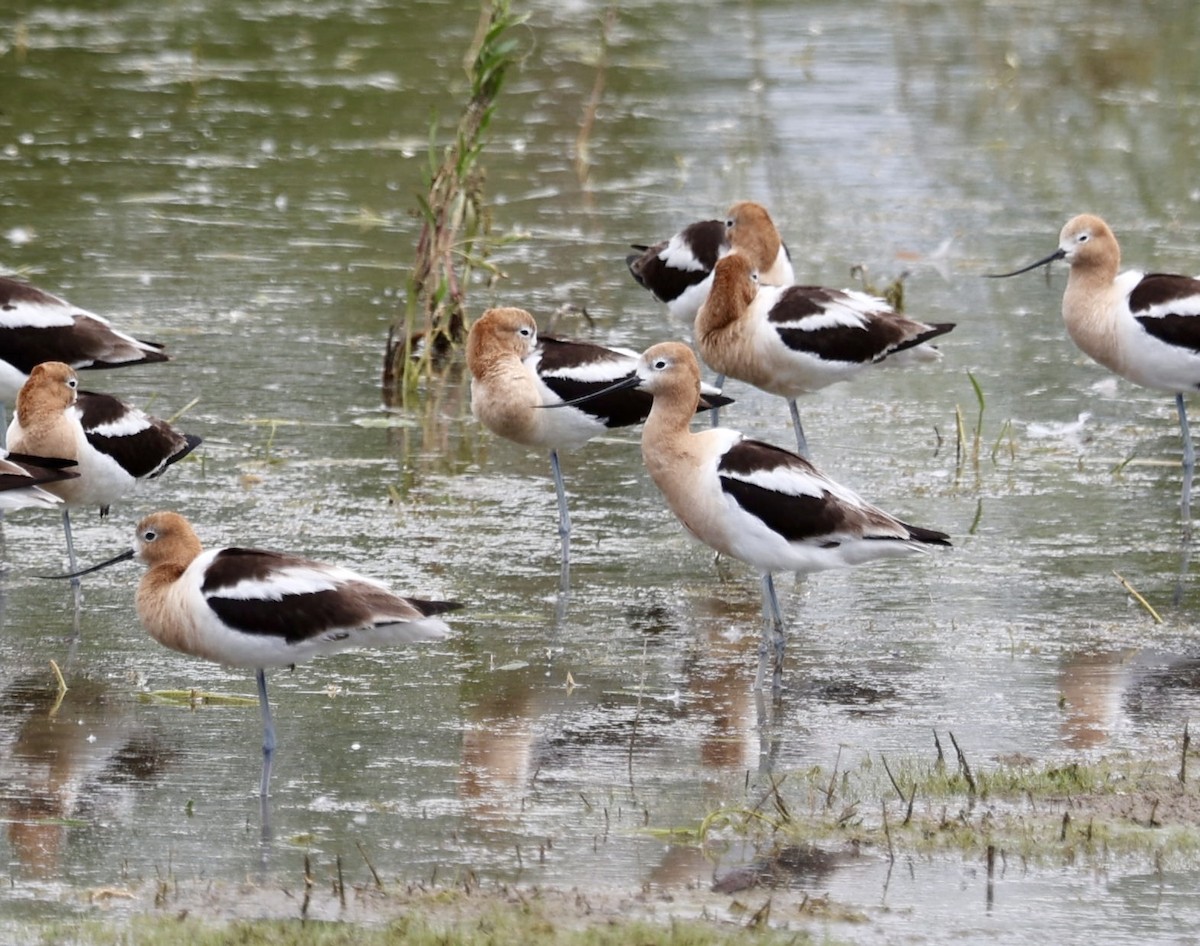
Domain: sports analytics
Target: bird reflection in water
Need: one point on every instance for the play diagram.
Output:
(525, 723)
(1091, 687)
(66, 756)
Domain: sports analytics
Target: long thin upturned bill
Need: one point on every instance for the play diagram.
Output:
(123, 557)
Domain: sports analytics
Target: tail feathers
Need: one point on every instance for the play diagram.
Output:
(710, 401)
(191, 442)
(430, 608)
(146, 353)
(711, 397)
(940, 328)
(927, 536)
(49, 463)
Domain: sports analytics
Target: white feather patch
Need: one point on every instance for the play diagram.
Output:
(795, 481)
(678, 254)
(293, 580)
(834, 316)
(1181, 305)
(39, 315)
(786, 480)
(133, 421)
(607, 370)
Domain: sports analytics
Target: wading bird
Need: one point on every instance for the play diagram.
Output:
(794, 340)
(1144, 327)
(113, 445)
(256, 609)
(679, 270)
(36, 326)
(766, 506)
(515, 372)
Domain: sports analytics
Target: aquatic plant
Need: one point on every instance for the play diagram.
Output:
(452, 243)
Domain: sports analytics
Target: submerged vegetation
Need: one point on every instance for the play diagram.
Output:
(454, 219)
(500, 917)
(1003, 814)
(1082, 812)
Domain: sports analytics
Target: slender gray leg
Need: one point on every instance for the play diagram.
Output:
(770, 732)
(764, 643)
(3, 435)
(760, 675)
(801, 442)
(1189, 461)
(564, 516)
(773, 639)
(76, 582)
(716, 411)
(1185, 562)
(268, 730)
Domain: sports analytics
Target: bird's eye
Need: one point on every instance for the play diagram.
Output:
(149, 535)
(72, 383)
(1083, 238)
(729, 223)
(525, 331)
(660, 364)
(754, 277)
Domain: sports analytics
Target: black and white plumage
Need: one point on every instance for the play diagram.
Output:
(141, 446)
(515, 374)
(1143, 327)
(36, 326)
(112, 445)
(794, 340)
(256, 608)
(678, 271)
(753, 501)
(22, 477)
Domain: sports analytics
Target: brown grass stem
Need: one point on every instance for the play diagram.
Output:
(1138, 597)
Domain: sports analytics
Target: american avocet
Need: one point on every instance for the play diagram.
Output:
(793, 340)
(22, 478)
(1143, 326)
(255, 608)
(679, 270)
(515, 372)
(36, 326)
(752, 501)
(113, 444)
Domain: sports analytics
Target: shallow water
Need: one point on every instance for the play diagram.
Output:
(235, 180)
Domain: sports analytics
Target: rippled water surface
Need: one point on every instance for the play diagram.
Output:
(236, 180)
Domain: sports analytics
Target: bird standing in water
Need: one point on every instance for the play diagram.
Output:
(1144, 327)
(794, 340)
(254, 608)
(755, 502)
(515, 373)
(679, 270)
(112, 445)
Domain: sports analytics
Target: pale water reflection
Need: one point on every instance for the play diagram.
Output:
(234, 179)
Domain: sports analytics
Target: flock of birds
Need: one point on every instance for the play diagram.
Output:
(732, 280)
(242, 607)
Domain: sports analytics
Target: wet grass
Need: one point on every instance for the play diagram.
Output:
(430, 918)
(1119, 811)
(1140, 812)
